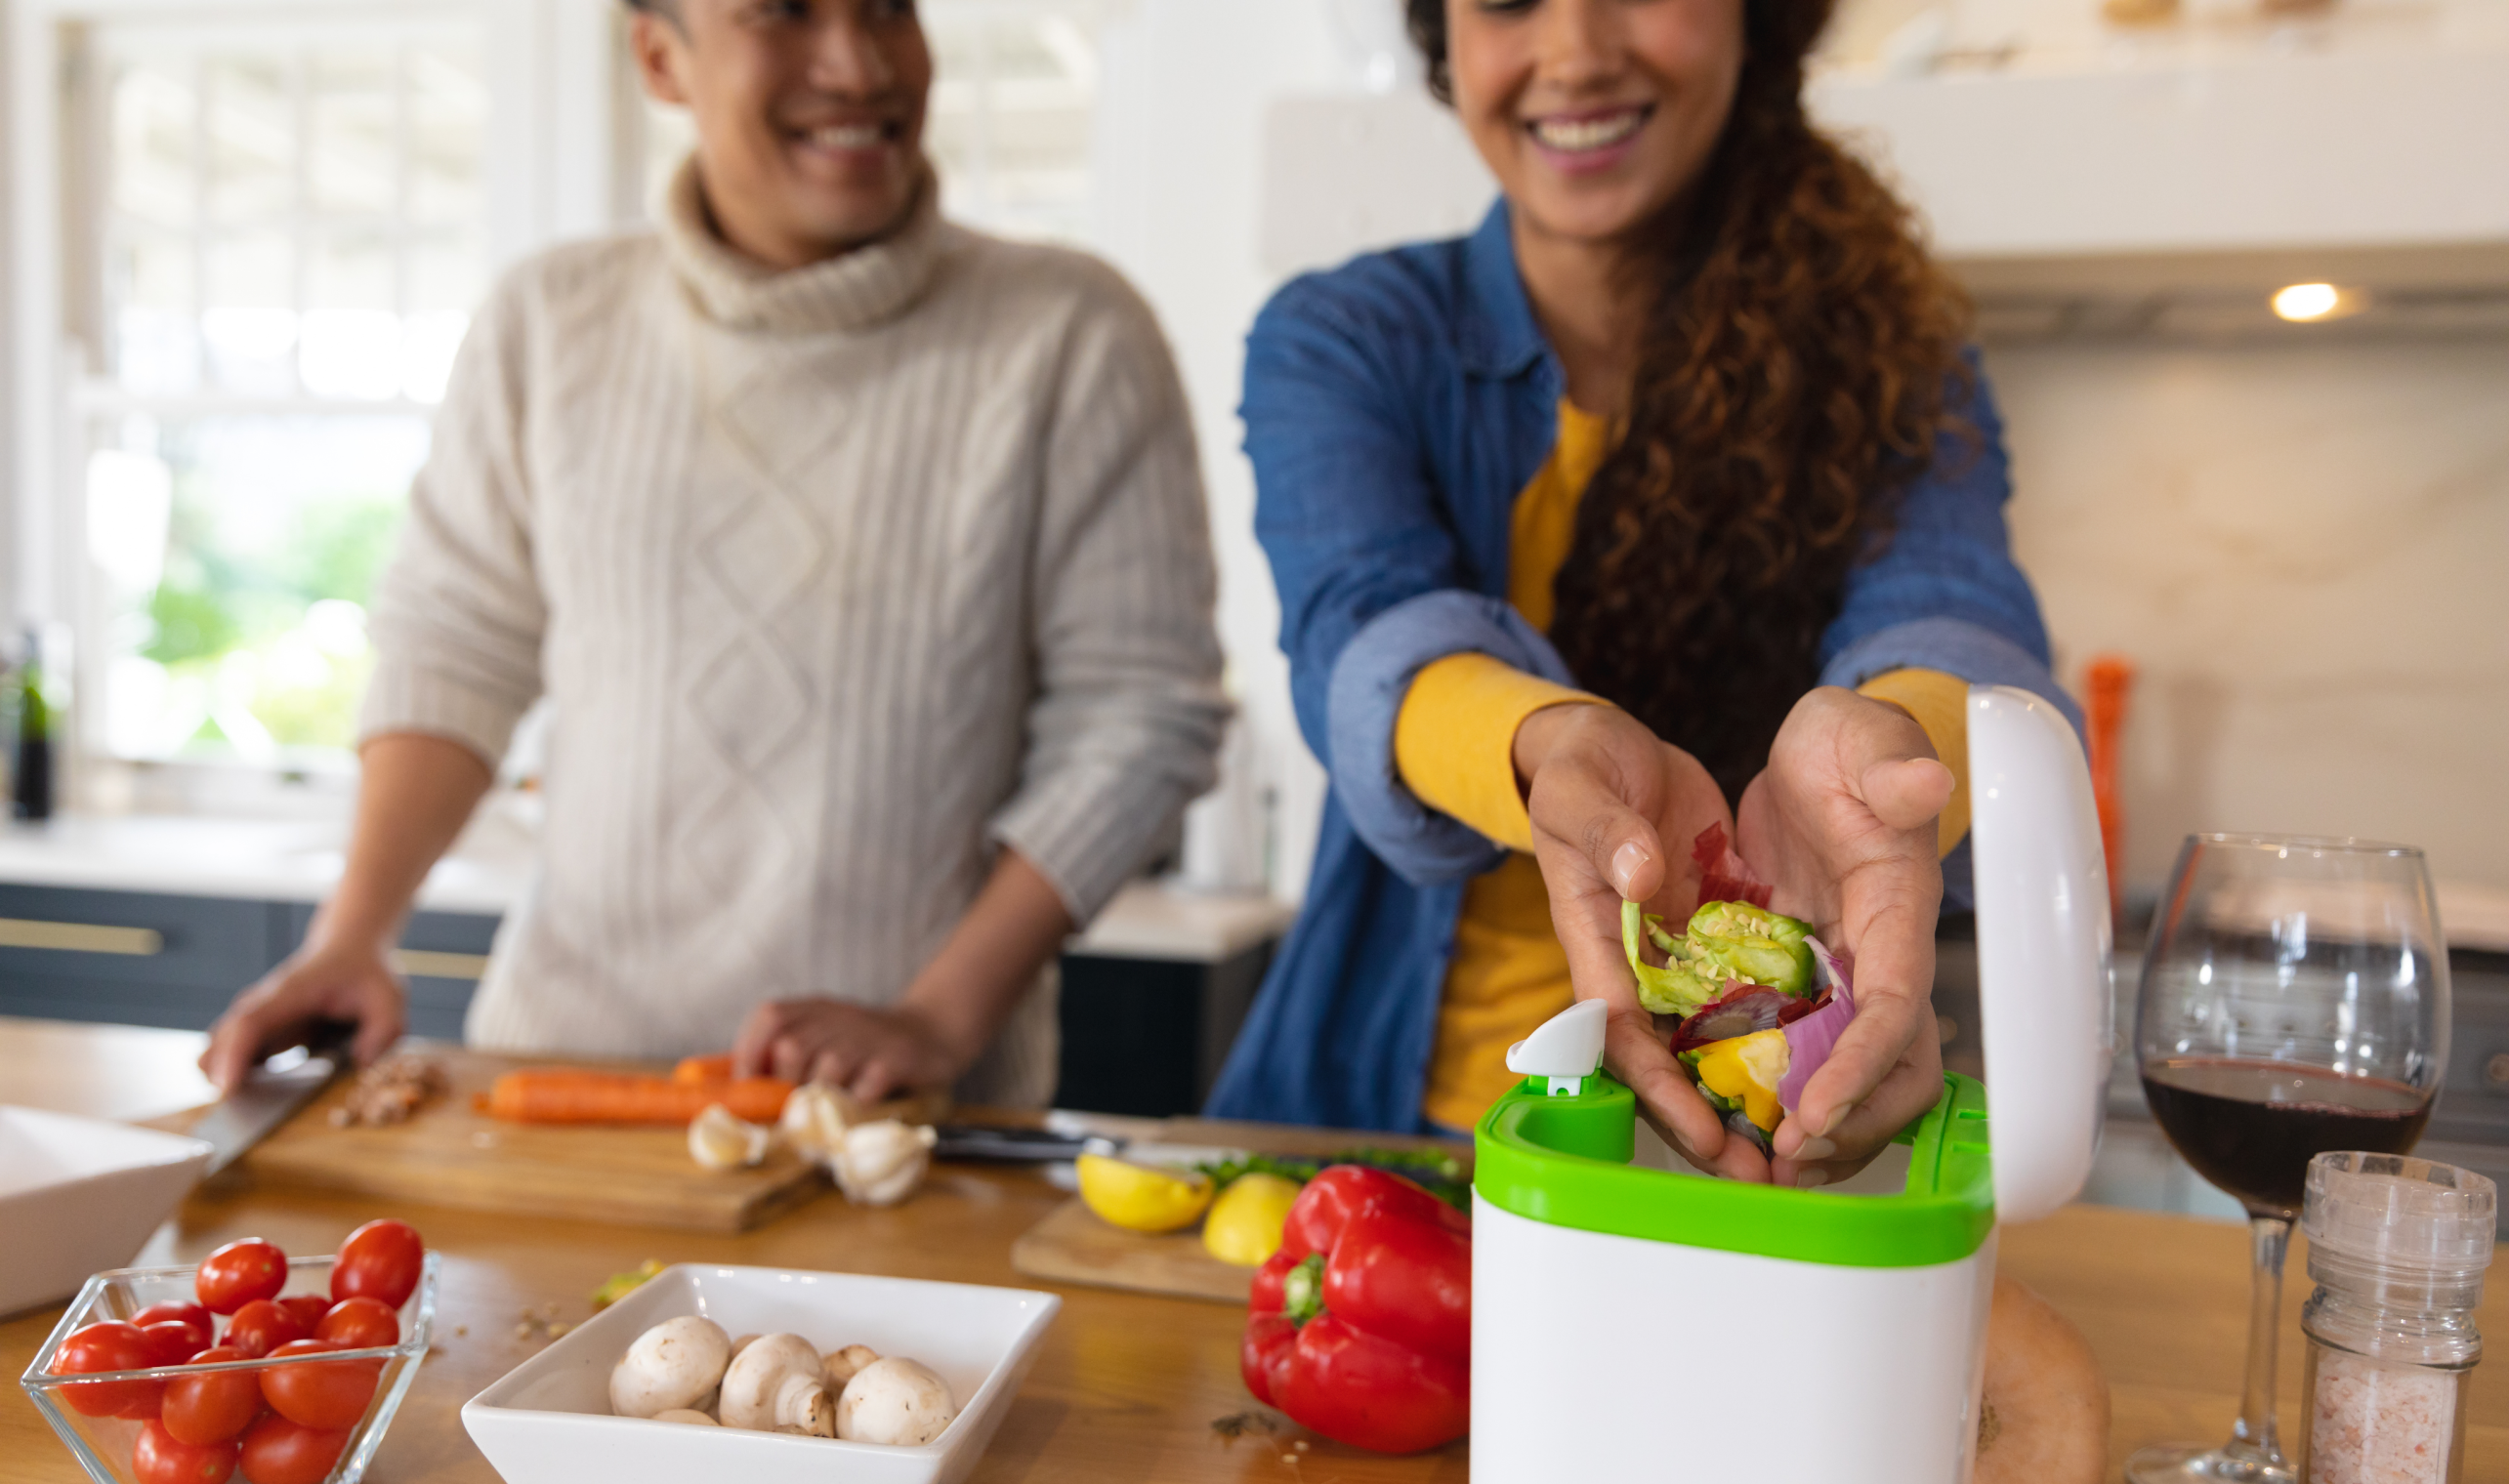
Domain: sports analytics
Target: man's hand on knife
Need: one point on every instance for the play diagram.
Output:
(329, 981)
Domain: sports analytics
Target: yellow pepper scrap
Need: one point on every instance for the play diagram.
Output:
(1748, 1067)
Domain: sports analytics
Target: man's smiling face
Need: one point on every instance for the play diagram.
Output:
(809, 115)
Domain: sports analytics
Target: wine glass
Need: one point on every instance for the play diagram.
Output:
(2295, 999)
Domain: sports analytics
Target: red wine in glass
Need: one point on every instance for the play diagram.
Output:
(2251, 1126)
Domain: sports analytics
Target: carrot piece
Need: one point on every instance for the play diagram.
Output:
(574, 1096)
(703, 1069)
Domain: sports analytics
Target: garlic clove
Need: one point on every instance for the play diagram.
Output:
(816, 1118)
(881, 1164)
(720, 1141)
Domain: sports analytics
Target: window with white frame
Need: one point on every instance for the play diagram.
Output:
(277, 220)
(288, 235)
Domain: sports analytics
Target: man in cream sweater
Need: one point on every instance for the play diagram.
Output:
(864, 561)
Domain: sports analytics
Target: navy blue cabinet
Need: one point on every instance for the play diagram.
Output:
(135, 958)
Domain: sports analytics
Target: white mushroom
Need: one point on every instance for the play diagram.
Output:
(837, 1367)
(880, 1164)
(742, 1343)
(720, 1141)
(816, 1118)
(686, 1415)
(775, 1386)
(672, 1366)
(897, 1402)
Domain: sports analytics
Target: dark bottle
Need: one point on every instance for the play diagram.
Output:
(30, 794)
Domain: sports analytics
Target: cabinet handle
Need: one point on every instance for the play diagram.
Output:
(425, 964)
(80, 938)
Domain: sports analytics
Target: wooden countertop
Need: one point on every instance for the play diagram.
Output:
(1126, 1386)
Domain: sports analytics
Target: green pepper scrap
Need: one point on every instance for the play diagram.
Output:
(1441, 1175)
(1724, 942)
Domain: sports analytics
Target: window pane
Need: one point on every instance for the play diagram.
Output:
(352, 329)
(448, 114)
(355, 162)
(156, 342)
(248, 320)
(237, 553)
(251, 140)
(156, 116)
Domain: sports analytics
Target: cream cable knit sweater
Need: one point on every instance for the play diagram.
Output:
(837, 578)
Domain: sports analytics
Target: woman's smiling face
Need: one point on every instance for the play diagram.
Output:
(1594, 114)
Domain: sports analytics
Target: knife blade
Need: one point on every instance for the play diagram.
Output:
(271, 1095)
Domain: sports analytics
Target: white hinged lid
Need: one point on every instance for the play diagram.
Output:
(2043, 948)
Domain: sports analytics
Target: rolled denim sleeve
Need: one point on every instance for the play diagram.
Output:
(1373, 581)
(1944, 594)
(1365, 696)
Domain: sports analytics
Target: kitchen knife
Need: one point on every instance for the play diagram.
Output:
(980, 1141)
(270, 1095)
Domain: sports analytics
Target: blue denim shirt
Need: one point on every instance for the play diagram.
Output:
(1394, 408)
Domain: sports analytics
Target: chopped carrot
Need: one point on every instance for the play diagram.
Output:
(703, 1069)
(575, 1096)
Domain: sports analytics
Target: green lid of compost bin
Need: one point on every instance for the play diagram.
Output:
(1564, 1159)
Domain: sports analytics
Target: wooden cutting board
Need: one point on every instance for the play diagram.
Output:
(450, 1155)
(1071, 1245)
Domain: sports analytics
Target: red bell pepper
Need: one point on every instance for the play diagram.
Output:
(1360, 1325)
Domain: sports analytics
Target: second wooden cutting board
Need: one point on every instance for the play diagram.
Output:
(450, 1155)
(1071, 1245)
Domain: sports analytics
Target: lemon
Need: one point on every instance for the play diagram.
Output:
(1142, 1197)
(1245, 1221)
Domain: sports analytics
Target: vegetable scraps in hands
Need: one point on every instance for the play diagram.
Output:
(1762, 1002)
(1360, 1326)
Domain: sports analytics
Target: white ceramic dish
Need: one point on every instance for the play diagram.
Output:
(548, 1419)
(79, 1194)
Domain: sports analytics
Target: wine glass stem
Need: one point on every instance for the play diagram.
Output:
(2254, 1436)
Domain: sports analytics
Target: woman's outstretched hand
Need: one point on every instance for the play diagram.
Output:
(1606, 796)
(1843, 823)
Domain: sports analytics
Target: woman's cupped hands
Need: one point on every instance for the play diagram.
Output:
(1840, 821)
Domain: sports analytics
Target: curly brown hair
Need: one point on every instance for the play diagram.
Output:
(1800, 365)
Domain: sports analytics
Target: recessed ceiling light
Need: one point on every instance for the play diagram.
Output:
(2310, 303)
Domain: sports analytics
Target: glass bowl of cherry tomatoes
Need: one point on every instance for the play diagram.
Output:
(251, 1366)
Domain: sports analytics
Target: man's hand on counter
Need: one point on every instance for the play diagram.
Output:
(870, 1051)
(342, 981)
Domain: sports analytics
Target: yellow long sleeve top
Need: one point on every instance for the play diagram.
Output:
(1453, 744)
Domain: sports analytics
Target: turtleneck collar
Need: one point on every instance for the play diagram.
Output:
(852, 291)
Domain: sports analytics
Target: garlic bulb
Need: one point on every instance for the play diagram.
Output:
(720, 1141)
(880, 1164)
(816, 1118)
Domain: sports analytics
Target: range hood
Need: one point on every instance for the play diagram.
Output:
(2173, 177)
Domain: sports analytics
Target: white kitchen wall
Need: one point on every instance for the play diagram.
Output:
(1184, 88)
(2301, 547)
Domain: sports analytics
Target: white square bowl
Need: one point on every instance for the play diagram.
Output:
(79, 1194)
(548, 1420)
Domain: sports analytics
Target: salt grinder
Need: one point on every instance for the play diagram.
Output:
(2397, 1247)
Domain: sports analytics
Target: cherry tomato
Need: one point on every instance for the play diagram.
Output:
(213, 1407)
(160, 1458)
(277, 1451)
(379, 1261)
(319, 1394)
(111, 1345)
(240, 1272)
(355, 1323)
(176, 1311)
(261, 1327)
(172, 1342)
(308, 1308)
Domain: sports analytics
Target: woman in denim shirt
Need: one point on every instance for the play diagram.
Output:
(1669, 497)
